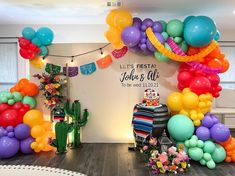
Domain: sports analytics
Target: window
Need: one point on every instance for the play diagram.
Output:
(228, 78)
(8, 65)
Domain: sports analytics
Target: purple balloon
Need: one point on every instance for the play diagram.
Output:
(203, 133)
(143, 40)
(137, 22)
(5, 132)
(207, 121)
(143, 27)
(150, 45)
(10, 129)
(22, 131)
(143, 47)
(25, 145)
(11, 134)
(219, 132)
(157, 27)
(2, 130)
(134, 49)
(131, 36)
(8, 147)
(148, 22)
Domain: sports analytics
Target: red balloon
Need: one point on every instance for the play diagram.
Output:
(184, 78)
(27, 54)
(17, 105)
(3, 107)
(200, 85)
(9, 118)
(24, 43)
(214, 79)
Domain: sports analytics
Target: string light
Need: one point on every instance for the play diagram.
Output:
(101, 52)
(72, 59)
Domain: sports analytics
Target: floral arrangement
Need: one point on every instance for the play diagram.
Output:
(52, 87)
(173, 161)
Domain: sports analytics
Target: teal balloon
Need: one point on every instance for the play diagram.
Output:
(11, 101)
(165, 35)
(211, 164)
(43, 51)
(187, 19)
(219, 154)
(184, 46)
(209, 147)
(175, 28)
(28, 33)
(195, 153)
(178, 40)
(30, 101)
(200, 144)
(199, 31)
(180, 127)
(161, 57)
(45, 35)
(202, 162)
(17, 96)
(164, 24)
(4, 96)
(207, 156)
(36, 41)
(217, 36)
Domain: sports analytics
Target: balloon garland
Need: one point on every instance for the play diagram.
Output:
(193, 43)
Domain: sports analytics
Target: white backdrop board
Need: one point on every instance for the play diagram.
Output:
(110, 100)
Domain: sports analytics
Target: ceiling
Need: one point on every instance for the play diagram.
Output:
(94, 11)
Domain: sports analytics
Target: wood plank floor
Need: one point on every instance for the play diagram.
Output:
(107, 160)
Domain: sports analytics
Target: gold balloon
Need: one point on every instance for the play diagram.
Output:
(113, 35)
(37, 131)
(110, 17)
(33, 117)
(123, 19)
(37, 62)
(190, 100)
(174, 101)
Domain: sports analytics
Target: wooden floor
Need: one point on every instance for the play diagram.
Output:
(107, 160)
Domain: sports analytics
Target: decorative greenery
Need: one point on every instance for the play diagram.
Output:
(173, 161)
(52, 87)
(78, 122)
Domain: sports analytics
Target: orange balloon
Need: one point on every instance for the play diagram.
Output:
(215, 63)
(23, 82)
(225, 65)
(47, 125)
(37, 131)
(113, 35)
(228, 159)
(12, 89)
(33, 117)
(31, 89)
(233, 158)
(215, 53)
(192, 51)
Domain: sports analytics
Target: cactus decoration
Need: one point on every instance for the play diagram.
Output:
(75, 113)
(62, 129)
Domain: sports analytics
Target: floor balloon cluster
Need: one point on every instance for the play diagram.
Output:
(22, 127)
(193, 42)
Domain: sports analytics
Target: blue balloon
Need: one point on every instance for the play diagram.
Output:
(36, 41)
(217, 36)
(187, 19)
(28, 33)
(199, 31)
(45, 35)
(43, 51)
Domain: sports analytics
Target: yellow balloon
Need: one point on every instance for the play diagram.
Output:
(37, 62)
(197, 122)
(34, 145)
(41, 146)
(174, 101)
(113, 35)
(123, 19)
(110, 17)
(47, 125)
(190, 100)
(37, 131)
(118, 46)
(49, 135)
(33, 117)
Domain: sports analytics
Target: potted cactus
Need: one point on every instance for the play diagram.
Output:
(74, 112)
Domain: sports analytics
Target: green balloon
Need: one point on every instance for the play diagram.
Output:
(30, 101)
(219, 154)
(200, 143)
(165, 35)
(11, 101)
(164, 24)
(209, 147)
(194, 137)
(17, 96)
(180, 127)
(207, 156)
(175, 28)
(186, 143)
(195, 153)
(211, 164)
(3, 99)
(202, 162)
(161, 57)
(184, 46)
(178, 40)
(193, 142)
